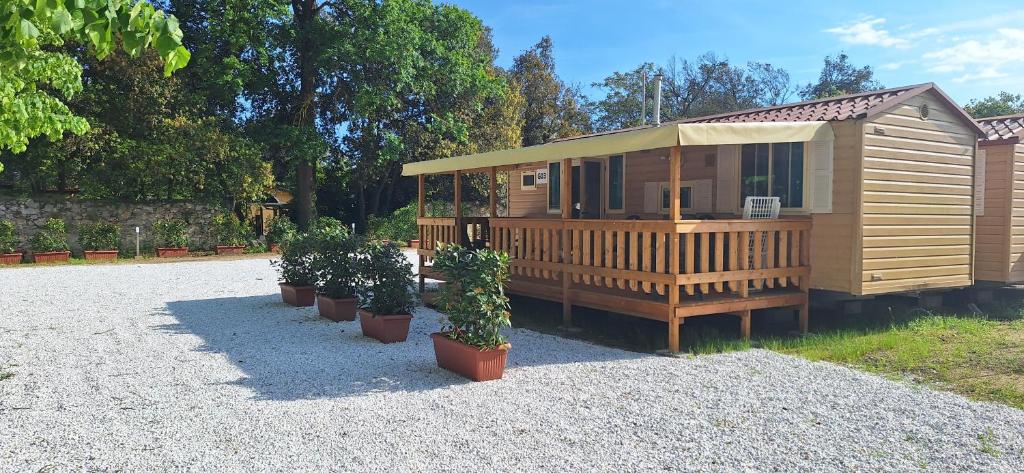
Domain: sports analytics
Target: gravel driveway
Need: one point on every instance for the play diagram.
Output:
(199, 366)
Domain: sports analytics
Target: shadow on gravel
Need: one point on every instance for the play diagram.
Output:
(290, 353)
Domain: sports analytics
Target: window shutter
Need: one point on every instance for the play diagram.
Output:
(979, 183)
(652, 197)
(727, 179)
(821, 180)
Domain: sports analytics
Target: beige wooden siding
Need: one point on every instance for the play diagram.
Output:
(992, 231)
(832, 234)
(917, 199)
(1016, 224)
(527, 203)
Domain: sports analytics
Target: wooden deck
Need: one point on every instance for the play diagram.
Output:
(660, 270)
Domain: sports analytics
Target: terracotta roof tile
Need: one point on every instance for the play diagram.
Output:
(831, 109)
(1003, 128)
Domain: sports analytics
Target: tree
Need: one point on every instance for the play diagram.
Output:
(30, 73)
(553, 109)
(839, 77)
(999, 105)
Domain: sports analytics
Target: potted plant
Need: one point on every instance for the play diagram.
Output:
(9, 253)
(50, 244)
(281, 229)
(385, 296)
(297, 274)
(231, 233)
(476, 308)
(171, 238)
(99, 240)
(338, 279)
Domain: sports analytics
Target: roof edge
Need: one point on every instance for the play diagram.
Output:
(918, 90)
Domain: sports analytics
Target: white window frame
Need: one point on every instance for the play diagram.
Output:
(664, 188)
(524, 187)
(805, 208)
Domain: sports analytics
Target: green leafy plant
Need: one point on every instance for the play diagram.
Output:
(296, 263)
(474, 299)
(328, 226)
(387, 280)
(170, 233)
(8, 240)
(99, 236)
(52, 237)
(281, 230)
(230, 230)
(399, 226)
(336, 265)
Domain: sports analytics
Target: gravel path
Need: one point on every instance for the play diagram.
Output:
(198, 366)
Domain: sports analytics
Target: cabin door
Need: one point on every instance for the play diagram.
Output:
(591, 189)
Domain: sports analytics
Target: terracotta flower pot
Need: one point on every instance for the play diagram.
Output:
(298, 296)
(52, 257)
(230, 250)
(385, 328)
(100, 255)
(275, 248)
(470, 361)
(414, 244)
(338, 310)
(11, 258)
(172, 252)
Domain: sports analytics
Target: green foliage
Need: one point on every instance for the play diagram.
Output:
(329, 226)
(99, 236)
(552, 109)
(996, 106)
(336, 264)
(839, 77)
(281, 229)
(170, 233)
(296, 263)
(387, 280)
(8, 240)
(399, 226)
(31, 72)
(230, 230)
(52, 237)
(474, 299)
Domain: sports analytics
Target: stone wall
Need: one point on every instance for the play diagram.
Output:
(30, 213)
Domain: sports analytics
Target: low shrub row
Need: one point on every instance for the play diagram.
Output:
(347, 276)
(102, 240)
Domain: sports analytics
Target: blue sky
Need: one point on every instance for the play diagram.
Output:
(971, 49)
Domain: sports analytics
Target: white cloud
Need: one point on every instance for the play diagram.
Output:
(980, 59)
(868, 31)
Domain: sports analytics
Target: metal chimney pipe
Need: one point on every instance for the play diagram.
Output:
(643, 98)
(657, 99)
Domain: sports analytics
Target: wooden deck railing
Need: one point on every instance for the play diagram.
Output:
(714, 256)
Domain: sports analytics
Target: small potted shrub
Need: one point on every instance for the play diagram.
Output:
(99, 240)
(232, 234)
(170, 236)
(50, 244)
(297, 274)
(385, 296)
(281, 229)
(476, 307)
(9, 253)
(338, 279)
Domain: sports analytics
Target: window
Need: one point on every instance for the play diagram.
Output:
(527, 181)
(775, 170)
(554, 186)
(685, 197)
(616, 183)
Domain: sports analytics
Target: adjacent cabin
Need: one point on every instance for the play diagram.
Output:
(866, 194)
(1000, 233)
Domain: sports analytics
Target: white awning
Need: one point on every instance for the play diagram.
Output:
(677, 134)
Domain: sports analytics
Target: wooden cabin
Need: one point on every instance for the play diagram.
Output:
(1000, 233)
(875, 191)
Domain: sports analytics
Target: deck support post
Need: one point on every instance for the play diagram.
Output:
(421, 211)
(565, 180)
(745, 324)
(804, 311)
(459, 230)
(674, 162)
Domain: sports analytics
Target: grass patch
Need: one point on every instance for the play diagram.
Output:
(981, 357)
(5, 375)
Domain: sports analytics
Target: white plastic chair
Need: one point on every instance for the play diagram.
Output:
(760, 208)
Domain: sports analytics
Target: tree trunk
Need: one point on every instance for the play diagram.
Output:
(305, 12)
(361, 207)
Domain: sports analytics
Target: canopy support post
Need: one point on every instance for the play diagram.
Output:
(674, 163)
(493, 191)
(458, 207)
(421, 211)
(565, 180)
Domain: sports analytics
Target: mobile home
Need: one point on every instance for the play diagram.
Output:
(872, 194)
(1000, 233)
